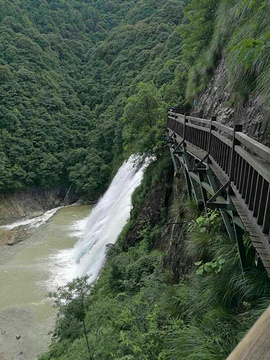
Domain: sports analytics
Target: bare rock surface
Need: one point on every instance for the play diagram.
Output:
(217, 100)
(12, 237)
(173, 236)
(29, 203)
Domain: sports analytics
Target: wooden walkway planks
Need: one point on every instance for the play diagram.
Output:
(256, 344)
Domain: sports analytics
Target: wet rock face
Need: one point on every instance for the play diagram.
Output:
(169, 193)
(216, 100)
(151, 213)
(173, 236)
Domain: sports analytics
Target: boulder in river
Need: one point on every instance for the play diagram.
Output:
(14, 236)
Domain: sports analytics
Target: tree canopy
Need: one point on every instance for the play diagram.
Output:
(67, 72)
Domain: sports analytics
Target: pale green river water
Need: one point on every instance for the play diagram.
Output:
(28, 271)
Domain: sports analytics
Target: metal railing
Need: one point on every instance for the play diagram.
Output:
(244, 162)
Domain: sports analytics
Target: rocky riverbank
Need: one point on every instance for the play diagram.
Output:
(26, 204)
(30, 203)
(14, 236)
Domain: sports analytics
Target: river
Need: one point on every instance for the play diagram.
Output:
(28, 271)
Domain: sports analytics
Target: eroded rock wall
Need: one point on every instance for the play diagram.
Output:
(28, 203)
(173, 236)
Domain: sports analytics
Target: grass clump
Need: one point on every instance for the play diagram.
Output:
(237, 31)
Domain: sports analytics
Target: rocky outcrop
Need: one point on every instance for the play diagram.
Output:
(173, 236)
(218, 101)
(13, 237)
(170, 196)
(30, 203)
(151, 213)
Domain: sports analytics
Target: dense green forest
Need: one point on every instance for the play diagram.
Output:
(73, 72)
(67, 70)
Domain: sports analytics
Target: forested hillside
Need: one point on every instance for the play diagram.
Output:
(68, 69)
(66, 72)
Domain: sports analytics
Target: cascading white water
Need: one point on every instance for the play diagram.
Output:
(107, 219)
(48, 259)
(103, 225)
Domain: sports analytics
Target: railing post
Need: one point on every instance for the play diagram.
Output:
(184, 130)
(236, 128)
(213, 118)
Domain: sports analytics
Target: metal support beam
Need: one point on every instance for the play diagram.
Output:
(189, 186)
(224, 215)
(173, 160)
(203, 191)
(192, 181)
(241, 247)
(217, 193)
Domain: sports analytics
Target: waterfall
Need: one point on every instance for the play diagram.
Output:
(107, 219)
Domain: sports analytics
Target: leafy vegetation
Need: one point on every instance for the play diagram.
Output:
(235, 30)
(84, 83)
(144, 116)
(72, 303)
(134, 312)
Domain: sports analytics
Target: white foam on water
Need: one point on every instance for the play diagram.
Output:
(77, 229)
(62, 268)
(33, 222)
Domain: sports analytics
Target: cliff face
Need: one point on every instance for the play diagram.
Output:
(30, 203)
(151, 212)
(173, 235)
(216, 100)
(167, 196)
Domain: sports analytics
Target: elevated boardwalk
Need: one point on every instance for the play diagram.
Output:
(256, 344)
(227, 170)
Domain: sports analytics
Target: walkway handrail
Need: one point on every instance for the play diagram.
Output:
(244, 162)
